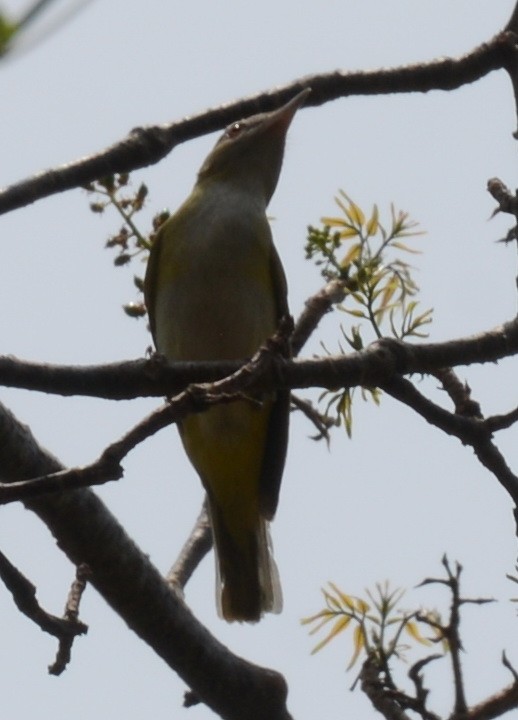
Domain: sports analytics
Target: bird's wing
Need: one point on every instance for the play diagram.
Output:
(277, 435)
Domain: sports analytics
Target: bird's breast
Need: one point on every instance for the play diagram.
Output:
(215, 296)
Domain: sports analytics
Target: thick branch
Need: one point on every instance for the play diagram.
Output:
(371, 367)
(145, 146)
(87, 532)
(373, 686)
(195, 398)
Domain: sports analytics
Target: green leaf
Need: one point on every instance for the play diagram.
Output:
(324, 616)
(353, 254)
(355, 214)
(347, 600)
(337, 628)
(349, 232)
(373, 222)
(334, 221)
(405, 248)
(412, 629)
(357, 313)
(359, 644)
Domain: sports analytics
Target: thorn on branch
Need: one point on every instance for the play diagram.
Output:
(190, 699)
(507, 202)
(499, 703)
(459, 392)
(507, 664)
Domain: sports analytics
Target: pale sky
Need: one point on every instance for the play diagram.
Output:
(386, 504)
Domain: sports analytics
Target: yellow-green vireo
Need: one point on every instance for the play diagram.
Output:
(215, 290)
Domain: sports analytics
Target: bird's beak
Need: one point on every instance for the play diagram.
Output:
(279, 120)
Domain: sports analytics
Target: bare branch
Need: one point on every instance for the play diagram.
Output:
(373, 686)
(24, 596)
(507, 201)
(370, 367)
(146, 146)
(321, 422)
(315, 309)
(459, 392)
(512, 60)
(198, 544)
(87, 532)
(65, 629)
(470, 431)
(502, 422)
(507, 664)
(499, 703)
(494, 461)
(421, 693)
(452, 634)
(195, 398)
(71, 615)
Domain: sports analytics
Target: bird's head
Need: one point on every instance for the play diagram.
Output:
(250, 151)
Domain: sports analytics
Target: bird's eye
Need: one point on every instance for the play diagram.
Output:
(235, 129)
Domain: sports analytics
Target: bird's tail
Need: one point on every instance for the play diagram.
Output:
(248, 582)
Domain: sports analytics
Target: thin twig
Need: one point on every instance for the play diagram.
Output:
(197, 545)
(499, 703)
(195, 398)
(314, 310)
(321, 422)
(71, 615)
(470, 431)
(65, 629)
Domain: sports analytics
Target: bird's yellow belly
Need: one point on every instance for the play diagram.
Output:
(208, 308)
(226, 446)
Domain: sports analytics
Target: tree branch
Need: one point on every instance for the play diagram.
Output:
(66, 629)
(71, 615)
(197, 545)
(373, 686)
(315, 308)
(195, 398)
(87, 532)
(146, 146)
(470, 431)
(370, 367)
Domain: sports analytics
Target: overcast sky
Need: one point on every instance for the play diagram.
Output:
(386, 504)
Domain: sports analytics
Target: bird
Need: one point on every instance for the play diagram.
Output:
(215, 289)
